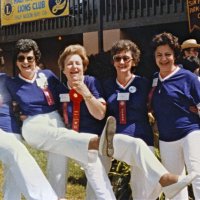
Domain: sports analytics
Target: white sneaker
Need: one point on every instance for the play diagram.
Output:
(172, 190)
(106, 140)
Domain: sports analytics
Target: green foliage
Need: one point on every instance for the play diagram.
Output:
(120, 176)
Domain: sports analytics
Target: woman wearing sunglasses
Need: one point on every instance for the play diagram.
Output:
(176, 90)
(38, 93)
(126, 97)
(22, 174)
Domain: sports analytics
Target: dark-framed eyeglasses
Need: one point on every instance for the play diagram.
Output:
(30, 59)
(118, 58)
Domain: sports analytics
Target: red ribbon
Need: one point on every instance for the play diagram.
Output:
(49, 96)
(149, 101)
(122, 112)
(65, 115)
(76, 98)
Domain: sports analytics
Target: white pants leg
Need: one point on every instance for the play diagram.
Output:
(21, 164)
(98, 179)
(172, 158)
(57, 168)
(106, 162)
(191, 144)
(10, 189)
(137, 154)
(90, 194)
(138, 174)
(40, 132)
(57, 171)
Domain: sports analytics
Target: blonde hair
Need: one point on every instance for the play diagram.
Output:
(71, 50)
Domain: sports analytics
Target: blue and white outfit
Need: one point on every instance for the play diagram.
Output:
(179, 128)
(129, 145)
(136, 90)
(44, 128)
(88, 123)
(19, 164)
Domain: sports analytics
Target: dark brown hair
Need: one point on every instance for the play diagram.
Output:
(166, 39)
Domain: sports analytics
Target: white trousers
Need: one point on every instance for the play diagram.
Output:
(10, 189)
(175, 155)
(41, 133)
(57, 167)
(106, 161)
(57, 172)
(146, 170)
(27, 175)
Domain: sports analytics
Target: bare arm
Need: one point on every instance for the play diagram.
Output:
(96, 107)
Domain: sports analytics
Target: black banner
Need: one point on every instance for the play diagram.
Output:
(193, 8)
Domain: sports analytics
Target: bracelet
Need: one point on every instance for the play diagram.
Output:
(88, 97)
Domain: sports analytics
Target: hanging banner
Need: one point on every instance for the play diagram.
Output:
(193, 8)
(16, 11)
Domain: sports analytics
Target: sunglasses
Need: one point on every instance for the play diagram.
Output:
(118, 58)
(30, 59)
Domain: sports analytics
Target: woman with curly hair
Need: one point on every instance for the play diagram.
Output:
(176, 91)
(126, 97)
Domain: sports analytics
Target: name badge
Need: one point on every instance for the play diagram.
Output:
(64, 97)
(123, 96)
(155, 82)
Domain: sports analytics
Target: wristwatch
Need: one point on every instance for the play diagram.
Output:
(88, 97)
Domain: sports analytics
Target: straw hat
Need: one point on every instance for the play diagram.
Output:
(191, 43)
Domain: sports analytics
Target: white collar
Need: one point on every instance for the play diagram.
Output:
(28, 80)
(170, 75)
(129, 82)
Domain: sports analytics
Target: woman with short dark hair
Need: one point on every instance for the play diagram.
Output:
(176, 90)
(126, 97)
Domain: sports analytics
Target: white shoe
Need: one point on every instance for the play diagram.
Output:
(106, 140)
(172, 190)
